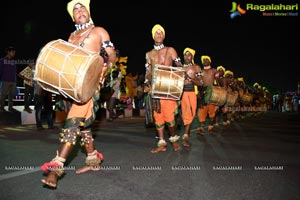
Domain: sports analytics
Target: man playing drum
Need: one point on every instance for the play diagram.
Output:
(164, 109)
(189, 99)
(81, 115)
(233, 86)
(204, 109)
(242, 91)
(226, 80)
(221, 112)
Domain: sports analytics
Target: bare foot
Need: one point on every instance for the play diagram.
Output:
(212, 128)
(201, 131)
(51, 179)
(186, 143)
(159, 149)
(87, 168)
(176, 146)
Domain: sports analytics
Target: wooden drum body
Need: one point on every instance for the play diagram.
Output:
(231, 98)
(167, 82)
(69, 70)
(215, 95)
(246, 98)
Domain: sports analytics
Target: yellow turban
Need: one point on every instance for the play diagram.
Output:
(221, 67)
(192, 51)
(71, 4)
(205, 57)
(228, 72)
(241, 79)
(255, 84)
(156, 28)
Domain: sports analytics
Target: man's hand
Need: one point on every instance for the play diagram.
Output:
(147, 88)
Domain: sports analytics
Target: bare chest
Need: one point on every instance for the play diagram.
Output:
(86, 40)
(161, 57)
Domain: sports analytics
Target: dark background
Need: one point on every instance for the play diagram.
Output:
(257, 48)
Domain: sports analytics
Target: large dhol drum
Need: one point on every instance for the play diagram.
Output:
(215, 95)
(69, 70)
(246, 98)
(167, 82)
(231, 98)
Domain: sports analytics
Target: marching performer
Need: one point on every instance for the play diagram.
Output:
(206, 109)
(164, 109)
(81, 116)
(189, 98)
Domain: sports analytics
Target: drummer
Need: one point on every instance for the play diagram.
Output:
(164, 109)
(221, 111)
(228, 82)
(232, 86)
(206, 109)
(243, 89)
(189, 99)
(81, 116)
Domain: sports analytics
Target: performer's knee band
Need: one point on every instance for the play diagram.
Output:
(72, 130)
(170, 124)
(69, 135)
(159, 126)
(86, 137)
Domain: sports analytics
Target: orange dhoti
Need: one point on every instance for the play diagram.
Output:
(188, 106)
(167, 112)
(85, 113)
(209, 109)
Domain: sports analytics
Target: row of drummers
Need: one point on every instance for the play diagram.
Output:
(216, 86)
(228, 98)
(220, 97)
(226, 90)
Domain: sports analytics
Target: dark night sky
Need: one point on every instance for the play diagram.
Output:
(260, 49)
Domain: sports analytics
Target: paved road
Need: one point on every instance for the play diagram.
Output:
(256, 158)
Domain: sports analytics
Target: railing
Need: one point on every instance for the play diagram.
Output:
(19, 97)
